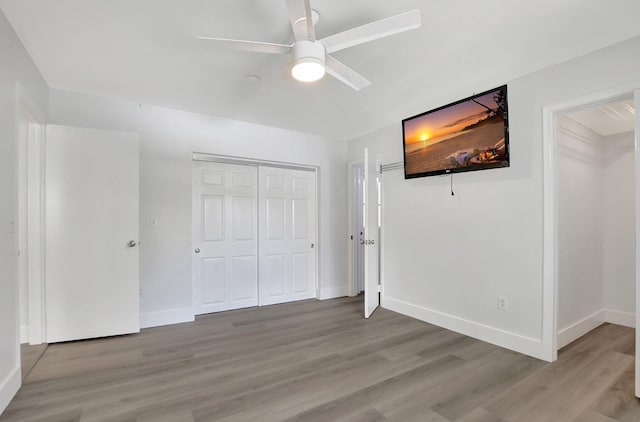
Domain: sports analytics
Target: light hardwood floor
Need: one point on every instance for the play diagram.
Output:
(321, 361)
(30, 355)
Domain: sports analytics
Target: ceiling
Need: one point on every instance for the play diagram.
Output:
(145, 50)
(607, 119)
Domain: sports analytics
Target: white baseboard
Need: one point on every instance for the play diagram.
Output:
(168, 317)
(626, 319)
(9, 386)
(24, 334)
(332, 292)
(526, 345)
(578, 329)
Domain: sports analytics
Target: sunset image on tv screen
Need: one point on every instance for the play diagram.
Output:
(468, 135)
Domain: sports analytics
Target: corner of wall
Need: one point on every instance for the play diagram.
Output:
(578, 329)
(9, 387)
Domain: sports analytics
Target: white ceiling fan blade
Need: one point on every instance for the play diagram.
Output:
(301, 19)
(345, 74)
(373, 31)
(255, 46)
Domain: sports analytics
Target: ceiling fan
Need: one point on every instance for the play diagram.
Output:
(311, 57)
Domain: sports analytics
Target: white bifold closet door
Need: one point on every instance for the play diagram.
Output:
(92, 287)
(254, 236)
(225, 236)
(287, 235)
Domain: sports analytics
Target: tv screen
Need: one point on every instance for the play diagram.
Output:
(470, 134)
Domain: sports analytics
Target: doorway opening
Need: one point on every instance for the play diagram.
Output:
(591, 215)
(357, 206)
(596, 218)
(30, 229)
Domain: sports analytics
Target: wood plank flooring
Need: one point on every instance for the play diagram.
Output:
(321, 361)
(29, 356)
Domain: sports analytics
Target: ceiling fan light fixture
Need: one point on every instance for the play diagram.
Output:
(308, 69)
(308, 61)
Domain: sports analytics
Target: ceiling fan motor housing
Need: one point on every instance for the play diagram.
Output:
(305, 51)
(308, 60)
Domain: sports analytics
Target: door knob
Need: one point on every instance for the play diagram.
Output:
(132, 244)
(313, 245)
(197, 250)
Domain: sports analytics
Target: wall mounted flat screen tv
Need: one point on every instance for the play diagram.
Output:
(470, 134)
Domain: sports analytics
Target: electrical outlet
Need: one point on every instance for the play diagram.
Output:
(503, 304)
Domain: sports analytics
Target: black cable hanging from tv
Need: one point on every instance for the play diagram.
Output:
(452, 194)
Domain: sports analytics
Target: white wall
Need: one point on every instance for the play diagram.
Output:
(580, 190)
(619, 224)
(167, 140)
(15, 67)
(447, 259)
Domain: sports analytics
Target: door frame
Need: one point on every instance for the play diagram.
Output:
(352, 240)
(550, 212)
(230, 159)
(34, 216)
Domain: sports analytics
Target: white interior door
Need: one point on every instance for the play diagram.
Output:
(636, 96)
(225, 236)
(359, 227)
(92, 286)
(371, 268)
(287, 235)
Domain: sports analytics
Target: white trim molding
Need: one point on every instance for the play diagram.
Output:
(508, 340)
(578, 329)
(626, 319)
(9, 387)
(636, 146)
(24, 334)
(332, 292)
(168, 317)
(600, 150)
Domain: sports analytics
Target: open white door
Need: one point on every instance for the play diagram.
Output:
(636, 96)
(91, 233)
(370, 200)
